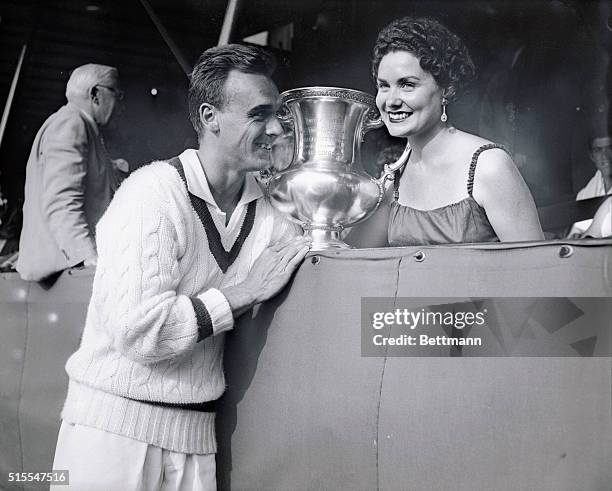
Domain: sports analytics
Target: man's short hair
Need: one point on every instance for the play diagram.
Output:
(599, 141)
(212, 69)
(84, 78)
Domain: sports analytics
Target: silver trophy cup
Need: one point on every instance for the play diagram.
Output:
(323, 188)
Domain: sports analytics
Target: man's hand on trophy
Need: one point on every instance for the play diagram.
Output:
(274, 267)
(269, 274)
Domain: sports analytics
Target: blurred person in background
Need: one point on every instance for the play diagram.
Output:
(601, 225)
(600, 184)
(70, 177)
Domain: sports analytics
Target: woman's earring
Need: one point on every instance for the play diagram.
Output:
(444, 117)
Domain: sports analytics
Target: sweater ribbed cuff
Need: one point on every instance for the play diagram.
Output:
(205, 326)
(218, 309)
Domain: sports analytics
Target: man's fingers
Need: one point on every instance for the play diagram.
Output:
(298, 243)
(297, 259)
(283, 244)
(293, 256)
(281, 253)
(293, 248)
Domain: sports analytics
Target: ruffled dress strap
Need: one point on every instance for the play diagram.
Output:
(488, 146)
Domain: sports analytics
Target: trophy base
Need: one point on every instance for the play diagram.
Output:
(325, 239)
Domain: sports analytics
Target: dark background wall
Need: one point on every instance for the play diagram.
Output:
(542, 89)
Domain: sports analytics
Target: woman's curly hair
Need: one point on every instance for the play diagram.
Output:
(440, 52)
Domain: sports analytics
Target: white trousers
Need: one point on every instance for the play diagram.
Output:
(97, 460)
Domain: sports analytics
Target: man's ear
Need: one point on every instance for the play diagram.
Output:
(208, 117)
(93, 95)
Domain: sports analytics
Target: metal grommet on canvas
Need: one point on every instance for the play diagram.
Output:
(419, 256)
(566, 251)
(315, 260)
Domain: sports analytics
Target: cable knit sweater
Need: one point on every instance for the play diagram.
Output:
(156, 321)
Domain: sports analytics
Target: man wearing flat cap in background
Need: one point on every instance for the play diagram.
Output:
(70, 177)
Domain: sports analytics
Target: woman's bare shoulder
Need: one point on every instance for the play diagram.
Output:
(469, 141)
(469, 145)
(466, 145)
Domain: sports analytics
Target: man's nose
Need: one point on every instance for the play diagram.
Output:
(602, 154)
(273, 127)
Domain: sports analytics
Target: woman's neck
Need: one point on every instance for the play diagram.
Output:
(429, 144)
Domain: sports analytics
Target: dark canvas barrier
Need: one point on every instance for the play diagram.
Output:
(305, 410)
(12, 349)
(40, 330)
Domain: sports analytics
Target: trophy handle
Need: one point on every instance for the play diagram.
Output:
(390, 170)
(371, 121)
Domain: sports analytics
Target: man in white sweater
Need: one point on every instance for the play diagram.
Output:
(186, 246)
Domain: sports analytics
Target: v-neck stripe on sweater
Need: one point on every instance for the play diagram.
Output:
(223, 257)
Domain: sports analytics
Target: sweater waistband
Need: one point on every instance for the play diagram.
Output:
(178, 430)
(202, 407)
